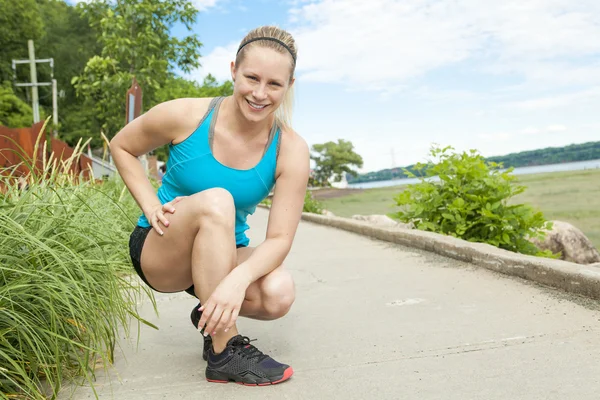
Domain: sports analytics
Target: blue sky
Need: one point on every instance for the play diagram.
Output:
(395, 76)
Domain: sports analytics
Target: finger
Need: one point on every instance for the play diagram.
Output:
(161, 217)
(212, 322)
(223, 323)
(207, 310)
(233, 319)
(156, 225)
(168, 207)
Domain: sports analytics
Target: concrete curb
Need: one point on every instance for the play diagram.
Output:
(570, 277)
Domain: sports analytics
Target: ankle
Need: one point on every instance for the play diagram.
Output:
(220, 340)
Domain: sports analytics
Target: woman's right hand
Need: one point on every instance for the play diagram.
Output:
(157, 214)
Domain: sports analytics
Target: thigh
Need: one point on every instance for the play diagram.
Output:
(166, 261)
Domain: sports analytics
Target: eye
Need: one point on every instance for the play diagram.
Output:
(276, 84)
(252, 78)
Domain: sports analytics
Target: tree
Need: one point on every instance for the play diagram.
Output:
(137, 42)
(19, 22)
(70, 41)
(14, 112)
(177, 87)
(333, 159)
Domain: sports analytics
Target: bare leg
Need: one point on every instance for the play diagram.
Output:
(199, 247)
(214, 256)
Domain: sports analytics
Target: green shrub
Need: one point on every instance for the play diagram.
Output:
(311, 205)
(463, 196)
(64, 279)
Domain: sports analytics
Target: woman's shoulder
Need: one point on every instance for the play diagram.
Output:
(179, 116)
(184, 109)
(292, 141)
(293, 152)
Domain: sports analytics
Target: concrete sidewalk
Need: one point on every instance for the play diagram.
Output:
(373, 320)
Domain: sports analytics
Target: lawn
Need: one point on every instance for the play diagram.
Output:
(572, 196)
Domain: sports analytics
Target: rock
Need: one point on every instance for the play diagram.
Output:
(381, 220)
(571, 242)
(328, 213)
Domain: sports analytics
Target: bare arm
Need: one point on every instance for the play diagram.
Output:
(160, 125)
(286, 210)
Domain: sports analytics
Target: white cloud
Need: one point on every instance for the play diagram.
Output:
(217, 63)
(203, 5)
(556, 128)
(556, 101)
(381, 42)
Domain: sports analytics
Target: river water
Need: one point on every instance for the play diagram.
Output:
(538, 169)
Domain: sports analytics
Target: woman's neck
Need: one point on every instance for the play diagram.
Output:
(238, 124)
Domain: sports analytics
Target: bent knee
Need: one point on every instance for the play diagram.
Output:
(278, 294)
(216, 205)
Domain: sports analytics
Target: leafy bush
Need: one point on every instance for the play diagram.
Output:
(64, 287)
(463, 196)
(311, 205)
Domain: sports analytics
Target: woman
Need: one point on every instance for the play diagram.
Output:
(226, 154)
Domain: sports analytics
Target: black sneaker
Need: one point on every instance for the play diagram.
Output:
(244, 364)
(195, 317)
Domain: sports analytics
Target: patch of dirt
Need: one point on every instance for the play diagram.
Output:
(331, 193)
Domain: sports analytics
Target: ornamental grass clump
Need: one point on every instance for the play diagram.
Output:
(65, 290)
(464, 196)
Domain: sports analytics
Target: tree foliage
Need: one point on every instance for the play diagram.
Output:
(98, 46)
(470, 200)
(137, 42)
(19, 21)
(551, 155)
(14, 112)
(178, 87)
(334, 159)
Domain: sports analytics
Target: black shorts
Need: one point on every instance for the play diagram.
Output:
(136, 243)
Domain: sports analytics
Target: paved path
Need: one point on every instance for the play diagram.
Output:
(379, 321)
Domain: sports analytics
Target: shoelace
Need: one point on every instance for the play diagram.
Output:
(247, 350)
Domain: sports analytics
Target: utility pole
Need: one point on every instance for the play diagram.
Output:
(35, 102)
(34, 90)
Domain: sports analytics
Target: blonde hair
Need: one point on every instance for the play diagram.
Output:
(283, 115)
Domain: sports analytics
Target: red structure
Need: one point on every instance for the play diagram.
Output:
(17, 148)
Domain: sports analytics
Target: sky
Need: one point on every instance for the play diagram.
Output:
(397, 76)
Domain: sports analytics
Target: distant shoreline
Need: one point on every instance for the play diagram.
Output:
(536, 169)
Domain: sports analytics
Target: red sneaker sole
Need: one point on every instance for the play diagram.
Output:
(287, 374)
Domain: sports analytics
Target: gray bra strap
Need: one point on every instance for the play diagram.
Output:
(215, 103)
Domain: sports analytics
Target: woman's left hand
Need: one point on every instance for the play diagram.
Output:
(222, 308)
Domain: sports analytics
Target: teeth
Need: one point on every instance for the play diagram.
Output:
(256, 105)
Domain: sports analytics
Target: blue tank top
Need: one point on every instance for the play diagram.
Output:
(192, 168)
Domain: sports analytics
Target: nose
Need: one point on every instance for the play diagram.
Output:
(260, 93)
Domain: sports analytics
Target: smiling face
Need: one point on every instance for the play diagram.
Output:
(261, 80)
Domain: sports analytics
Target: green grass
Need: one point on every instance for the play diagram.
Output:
(370, 201)
(572, 196)
(64, 289)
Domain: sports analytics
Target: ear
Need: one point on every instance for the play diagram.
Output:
(232, 67)
(292, 82)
